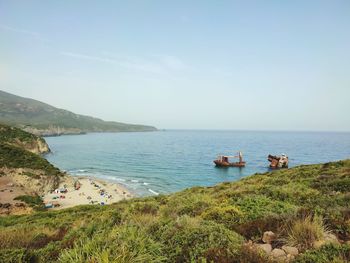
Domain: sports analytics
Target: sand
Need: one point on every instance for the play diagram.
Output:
(89, 193)
(9, 190)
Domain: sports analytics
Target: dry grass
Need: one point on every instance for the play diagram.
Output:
(304, 232)
(25, 237)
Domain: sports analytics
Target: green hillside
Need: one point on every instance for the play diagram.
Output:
(17, 137)
(16, 157)
(22, 150)
(301, 206)
(41, 118)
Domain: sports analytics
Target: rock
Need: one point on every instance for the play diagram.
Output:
(331, 238)
(268, 237)
(290, 250)
(267, 248)
(290, 258)
(6, 205)
(278, 254)
(250, 242)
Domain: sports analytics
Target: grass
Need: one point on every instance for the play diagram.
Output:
(304, 232)
(198, 224)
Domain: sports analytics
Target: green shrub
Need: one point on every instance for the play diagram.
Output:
(228, 215)
(123, 244)
(328, 253)
(149, 207)
(15, 157)
(258, 206)
(187, 203)
(34, 201)
(192, 239)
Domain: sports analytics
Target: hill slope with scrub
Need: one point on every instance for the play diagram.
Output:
(224, 223)
(23, 171)
(27, 141)
(43, 119)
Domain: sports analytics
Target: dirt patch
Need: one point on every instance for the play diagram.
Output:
(9, 189)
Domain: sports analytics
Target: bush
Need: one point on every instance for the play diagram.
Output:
(326, 254)
(123, 244)
(150, 207)
(259, 206)
(15, 157)
(227, 215)
(192, 239)
(187, 203)
(34, 201)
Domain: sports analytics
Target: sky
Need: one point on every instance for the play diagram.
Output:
(242, 65)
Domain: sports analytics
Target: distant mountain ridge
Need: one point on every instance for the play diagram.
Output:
(43, 119)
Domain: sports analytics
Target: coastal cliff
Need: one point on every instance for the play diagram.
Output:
(27, 141)
(24, 173)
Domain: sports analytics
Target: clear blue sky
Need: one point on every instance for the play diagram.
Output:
(261, 65)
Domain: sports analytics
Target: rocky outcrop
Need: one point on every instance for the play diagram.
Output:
(266, 248)
(268, 237)
(41, 147)
(278, 254)
(22, 139)
(328, 238)
(291, 250)
(37, 145)
(272, 250)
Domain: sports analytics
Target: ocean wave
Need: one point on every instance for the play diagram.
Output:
(153, 192)
(144, 183)
(135, 181)
(119, 179)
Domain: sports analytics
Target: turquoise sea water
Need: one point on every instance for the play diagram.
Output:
(168, 161)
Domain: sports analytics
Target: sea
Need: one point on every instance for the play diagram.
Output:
(161, 162)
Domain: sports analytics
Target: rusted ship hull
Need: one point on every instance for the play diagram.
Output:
(277, 162)
(228, 164)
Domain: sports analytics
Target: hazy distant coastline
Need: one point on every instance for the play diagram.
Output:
(45, 120)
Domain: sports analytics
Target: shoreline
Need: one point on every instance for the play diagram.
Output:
(84, 190)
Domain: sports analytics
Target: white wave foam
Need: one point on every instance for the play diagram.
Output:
(153, 192)
(144, 183)
(135, 181)
(119, 179)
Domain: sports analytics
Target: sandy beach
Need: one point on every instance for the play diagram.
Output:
(91, 191)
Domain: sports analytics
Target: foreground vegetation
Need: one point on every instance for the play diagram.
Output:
(196, 225)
